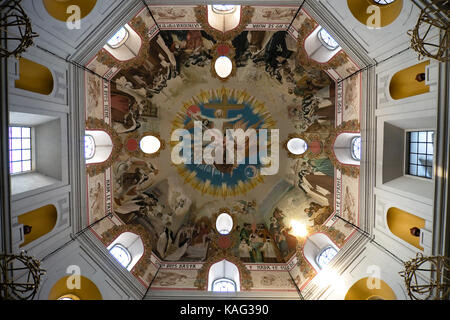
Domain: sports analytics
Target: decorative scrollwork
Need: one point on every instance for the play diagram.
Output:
(15, 28)
(20, 276)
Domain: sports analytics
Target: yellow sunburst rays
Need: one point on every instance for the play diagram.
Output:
(241, 97)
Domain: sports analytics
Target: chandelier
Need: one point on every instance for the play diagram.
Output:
(430, 36)
(20, 276)
(15, 29)
(426, 278)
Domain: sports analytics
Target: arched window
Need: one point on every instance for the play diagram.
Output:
(347, 148)
(119, 38)
(319, 250)
(125, 44)
(121, 254)
(98, 146)
(89, 147)
(224, 17)
(128, 249)
(356, 148)
(224, 223)
(223, 285)
(327, 40)
(325, 256)
(223, 276)
(223, 8)
(320, 46)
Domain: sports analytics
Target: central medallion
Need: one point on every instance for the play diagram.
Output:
(223, 110)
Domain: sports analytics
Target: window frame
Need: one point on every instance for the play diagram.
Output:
(324, 43)
(95, 147)
(407, 155)
(225, 280)
(322, 252)
(122, 42)
(228, 11)
(352, 153)
(125, 249)
(32, 150)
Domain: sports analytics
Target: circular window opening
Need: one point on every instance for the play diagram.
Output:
(118, 38)
(297, 146)
(327, 40)
(223, 8)
(356, 148)
(150, 144)
(224, 223)
(223, 66)
(89, 147)
(383, 2)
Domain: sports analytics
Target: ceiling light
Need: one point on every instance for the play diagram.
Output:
(224, 223)
(150, 144)
(223, 66)
(297, 146)
(299, 229)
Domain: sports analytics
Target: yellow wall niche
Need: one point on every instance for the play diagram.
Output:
(364, 13)
(58, 8)
(360, 291)
(404, 84)
(88, 290)
(34, 77)
(42, 221)
(400, 222)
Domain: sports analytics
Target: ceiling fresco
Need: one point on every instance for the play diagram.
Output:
(173, 207)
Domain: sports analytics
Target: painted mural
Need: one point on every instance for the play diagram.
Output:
(168, 86)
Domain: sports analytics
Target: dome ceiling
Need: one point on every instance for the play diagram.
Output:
(169, 83)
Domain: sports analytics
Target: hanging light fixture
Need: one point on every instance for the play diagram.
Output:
(20, 276)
